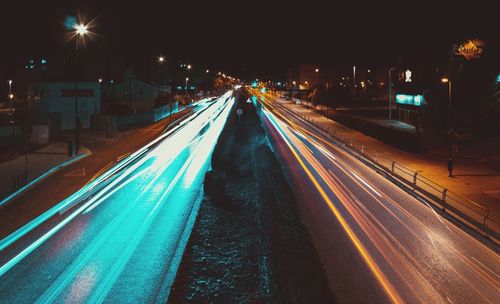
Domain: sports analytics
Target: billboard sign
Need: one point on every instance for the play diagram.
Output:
(414, 100)
(471, 49)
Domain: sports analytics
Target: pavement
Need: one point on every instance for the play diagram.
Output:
(34, 165)
(369, 232)
(476, 171)
(67, 180)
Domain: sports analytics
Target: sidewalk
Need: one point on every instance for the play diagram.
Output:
(37, 165)
(476, 173)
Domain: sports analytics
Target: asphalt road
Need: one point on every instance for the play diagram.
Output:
(412, 253)
(120, 238)
(59, 185)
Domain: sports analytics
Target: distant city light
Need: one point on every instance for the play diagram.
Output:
(316, 70)
(207, 71)
(498, 78)
(43, 61)
(161, 59)
(11, 96)
(444, 80)
(100, 80)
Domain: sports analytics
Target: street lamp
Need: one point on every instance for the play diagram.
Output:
(11, 96)
(316, 70)
(390, 92)
(80, 31)
(446, 80)
(161, 73)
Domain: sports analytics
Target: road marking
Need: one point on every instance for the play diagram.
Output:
(77, 172)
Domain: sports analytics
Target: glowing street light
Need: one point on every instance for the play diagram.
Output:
(189, 67)
(81, 29)
(207, 71)
(100, 80)
(161, 59)
(316, 70)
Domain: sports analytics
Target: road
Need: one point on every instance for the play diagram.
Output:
(412, 253)
(120, 238)
(60, 184)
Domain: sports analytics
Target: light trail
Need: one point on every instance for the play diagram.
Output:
(370, 207)
(148, 162)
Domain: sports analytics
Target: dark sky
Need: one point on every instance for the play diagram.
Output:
(239, 35)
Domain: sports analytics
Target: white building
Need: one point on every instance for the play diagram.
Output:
(55, 102)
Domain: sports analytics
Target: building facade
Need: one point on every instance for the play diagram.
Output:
(55, 102)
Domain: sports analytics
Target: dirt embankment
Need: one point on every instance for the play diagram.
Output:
(248, 244)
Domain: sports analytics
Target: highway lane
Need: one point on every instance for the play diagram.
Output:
(415, 255)
(123, 241)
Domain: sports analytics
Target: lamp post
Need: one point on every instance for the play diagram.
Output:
(354, 79)
(449, 127)
(161, 60)
(80, 31)
(390, 93)
(11, 96)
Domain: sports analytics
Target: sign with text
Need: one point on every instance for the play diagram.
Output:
(414, 100)
(471, 49)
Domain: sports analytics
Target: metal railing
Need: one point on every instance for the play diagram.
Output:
(462, 208)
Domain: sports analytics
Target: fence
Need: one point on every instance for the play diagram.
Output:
(466, 210)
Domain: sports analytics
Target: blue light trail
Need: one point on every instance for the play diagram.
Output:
(130, 223)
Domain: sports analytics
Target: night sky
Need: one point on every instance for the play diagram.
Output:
(242, 35)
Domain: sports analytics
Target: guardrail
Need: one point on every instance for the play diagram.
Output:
(457, 206)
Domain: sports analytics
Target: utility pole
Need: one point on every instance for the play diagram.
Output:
(390, 94)
(450, 130)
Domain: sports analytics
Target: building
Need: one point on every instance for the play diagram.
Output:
(135, 94)
(55, 103)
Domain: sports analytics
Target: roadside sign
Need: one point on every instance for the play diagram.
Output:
(239, 112)
(471, 49)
